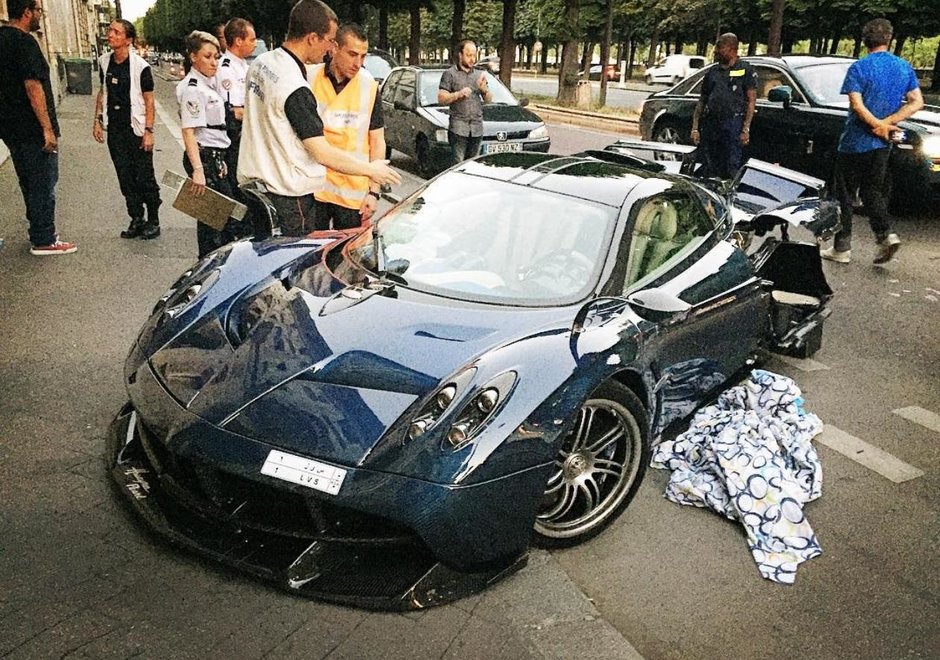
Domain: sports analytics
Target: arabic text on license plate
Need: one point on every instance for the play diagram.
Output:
(502, 147)
(304, 471)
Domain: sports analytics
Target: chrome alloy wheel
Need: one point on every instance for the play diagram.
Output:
(595, 472)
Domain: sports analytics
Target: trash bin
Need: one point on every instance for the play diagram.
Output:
(78, 75)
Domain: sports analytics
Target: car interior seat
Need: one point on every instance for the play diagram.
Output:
(656, 225)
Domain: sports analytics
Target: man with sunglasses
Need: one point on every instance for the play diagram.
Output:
(29, 126)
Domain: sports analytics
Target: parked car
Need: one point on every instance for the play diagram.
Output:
(261, 47)
(673, 68)
(800, 115)
(490, 63)
(416, 124)
(610, 70)
(386, 416)
(379, 63)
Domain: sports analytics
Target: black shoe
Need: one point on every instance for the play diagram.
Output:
(149, 230)
(133, 230)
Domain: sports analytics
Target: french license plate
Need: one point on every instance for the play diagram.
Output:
(501, 147)
(304, 471)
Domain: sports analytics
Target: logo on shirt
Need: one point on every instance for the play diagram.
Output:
(227, 83)
(193, 108)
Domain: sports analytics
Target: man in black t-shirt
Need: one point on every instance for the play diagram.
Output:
(28, 124)
(725, 110)
(125, 107)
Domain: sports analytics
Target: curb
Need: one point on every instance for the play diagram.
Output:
(586, 119)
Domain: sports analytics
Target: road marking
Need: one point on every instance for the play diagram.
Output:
(865, 454)
(925, 418)
(170, 122)
(802, 365)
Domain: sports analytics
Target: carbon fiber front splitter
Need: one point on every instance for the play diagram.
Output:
(383, 574)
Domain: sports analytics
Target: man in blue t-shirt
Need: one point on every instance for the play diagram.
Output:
(883, 91)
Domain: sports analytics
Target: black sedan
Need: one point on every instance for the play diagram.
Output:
(416, 124)
(800, 115)
(388, 416)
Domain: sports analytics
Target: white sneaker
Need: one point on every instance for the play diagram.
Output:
(839, 256)
(887, 248)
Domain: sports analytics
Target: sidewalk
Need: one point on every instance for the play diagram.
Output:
(79, 576)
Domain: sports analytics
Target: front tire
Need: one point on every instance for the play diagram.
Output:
(597, 471)
(667, 131)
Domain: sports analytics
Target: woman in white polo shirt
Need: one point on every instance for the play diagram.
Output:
(206, 143)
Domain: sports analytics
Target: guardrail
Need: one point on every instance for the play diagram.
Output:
(586, 118)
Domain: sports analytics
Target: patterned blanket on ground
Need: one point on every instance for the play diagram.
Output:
(750, 457)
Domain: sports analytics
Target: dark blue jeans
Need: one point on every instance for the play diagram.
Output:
(720, 148)
(867, 173)
(38, 173)
(464, 146)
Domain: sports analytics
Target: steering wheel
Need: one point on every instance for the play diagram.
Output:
(559, 271)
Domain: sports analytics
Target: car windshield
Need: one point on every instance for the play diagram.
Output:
(823, 82)
(474, 238)
(377, 65)
(431, 81)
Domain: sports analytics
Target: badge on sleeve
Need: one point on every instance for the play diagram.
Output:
(193, 108)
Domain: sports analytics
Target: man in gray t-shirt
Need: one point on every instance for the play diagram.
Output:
(464, 89)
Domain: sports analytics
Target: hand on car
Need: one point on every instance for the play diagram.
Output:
(382, 173)
(367, 209)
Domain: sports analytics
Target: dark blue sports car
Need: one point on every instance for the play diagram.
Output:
(388, 417)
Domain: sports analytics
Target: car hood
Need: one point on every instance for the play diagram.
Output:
(496, 118)
(293, 358)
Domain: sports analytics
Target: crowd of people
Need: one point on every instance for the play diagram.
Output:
(305, 120)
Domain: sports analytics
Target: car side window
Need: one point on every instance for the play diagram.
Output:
(769, 77)
(405, 92)
(391, 84)
(666, 227)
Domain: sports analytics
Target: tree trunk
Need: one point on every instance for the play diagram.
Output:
(586, 57)
(414, 44)
(605, 53)
(654, 45)
(899, 42)
(507, 43)
(857, 48)
(776, 27)
(631, 56)
(383, 28)
(834, 45)
(456, 27)
(543, 58)
(568, 72)
(117, 10)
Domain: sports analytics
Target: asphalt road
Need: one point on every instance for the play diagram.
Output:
(79, 578)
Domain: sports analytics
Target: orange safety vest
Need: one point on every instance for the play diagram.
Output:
(346, 119)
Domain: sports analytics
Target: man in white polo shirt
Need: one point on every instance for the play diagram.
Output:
(230, 82)
(283, 143)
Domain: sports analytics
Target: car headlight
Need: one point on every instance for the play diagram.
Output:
(539, 133)
(440, 135)
(438, 404)
(931, 146)
(473, 417)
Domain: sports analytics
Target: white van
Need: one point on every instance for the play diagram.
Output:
(673, 68)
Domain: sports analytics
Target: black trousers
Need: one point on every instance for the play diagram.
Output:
(334, 216)
(867, 173)
(214, 167)
(134, 169)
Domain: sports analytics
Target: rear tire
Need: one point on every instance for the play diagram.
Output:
(423, 158)
(598, 469)
(667, 131)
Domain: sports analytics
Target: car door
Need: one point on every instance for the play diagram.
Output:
(675, 250)
(404, 109)
(391, 116)
(776, 135)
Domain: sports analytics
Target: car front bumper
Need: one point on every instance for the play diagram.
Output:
(385, 541)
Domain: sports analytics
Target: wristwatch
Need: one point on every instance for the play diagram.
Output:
(374, 194)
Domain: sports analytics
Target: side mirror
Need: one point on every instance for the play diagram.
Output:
(659, 306)
(781, 94)
(523, 102)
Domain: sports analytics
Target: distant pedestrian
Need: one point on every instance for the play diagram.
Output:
(219, 33)
(465, 90)
(205, 140)
(28, 123)
(352, 121)
(883, 91)
(233, 68)
(283, 143)
(124, 108)
(721, 123)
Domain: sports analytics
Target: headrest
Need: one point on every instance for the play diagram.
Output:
(658, 219)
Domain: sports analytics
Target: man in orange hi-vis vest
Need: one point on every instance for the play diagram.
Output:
(348, 104)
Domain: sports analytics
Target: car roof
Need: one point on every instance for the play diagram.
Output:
(588, 178)
(797, 61)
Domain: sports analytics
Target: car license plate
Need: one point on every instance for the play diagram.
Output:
(501, 147)
(304, 471)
